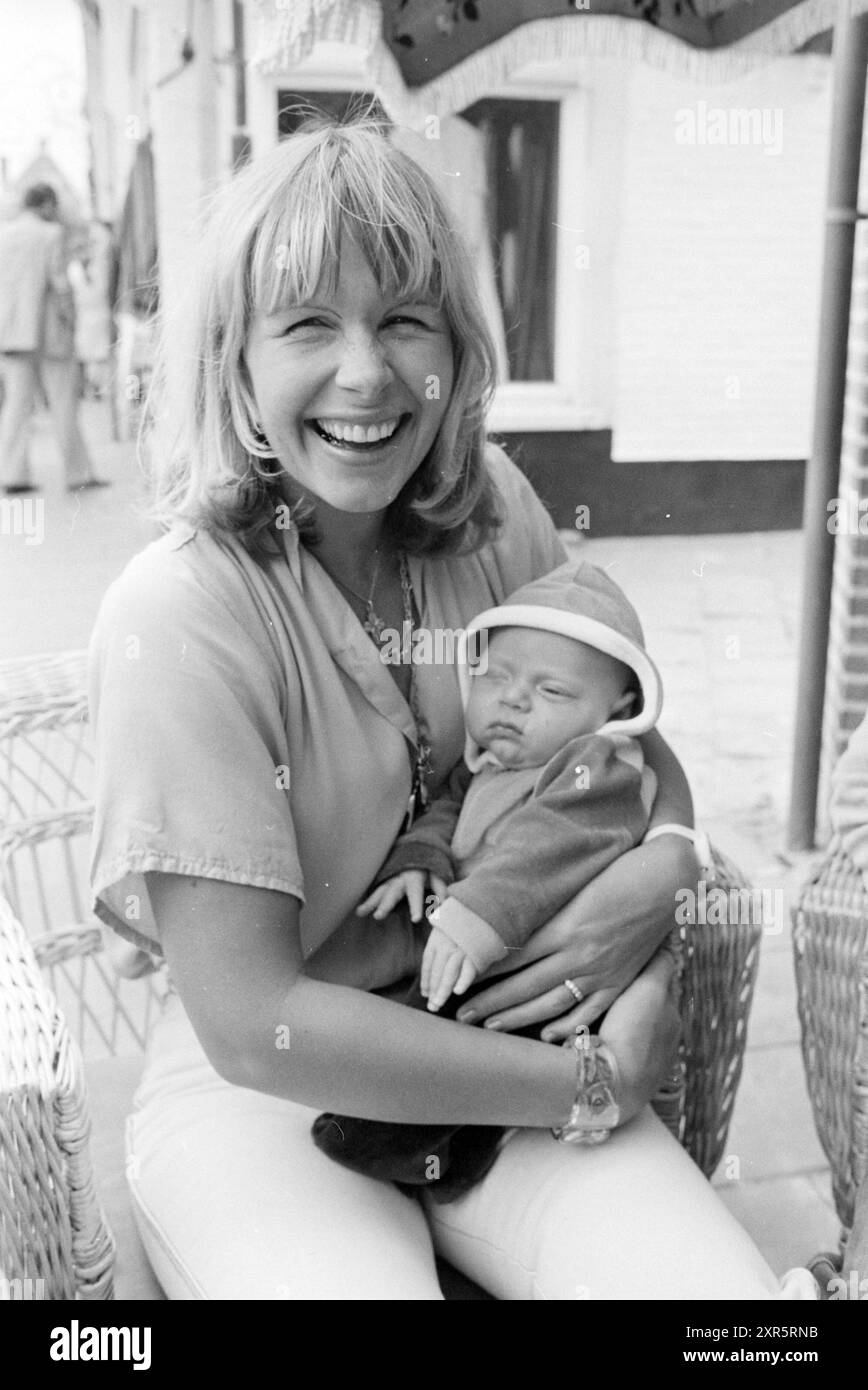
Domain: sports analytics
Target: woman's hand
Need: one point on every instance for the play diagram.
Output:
(600, 941)
(641, 1032)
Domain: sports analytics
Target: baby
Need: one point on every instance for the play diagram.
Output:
(552, 789)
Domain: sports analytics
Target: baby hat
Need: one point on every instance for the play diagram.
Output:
(581, 601)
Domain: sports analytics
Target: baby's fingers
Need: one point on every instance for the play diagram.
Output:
(466, 976)
(382, 900)
(415, 887)
(370, 902)
(427, 968)
(442, 987)
(438, 888)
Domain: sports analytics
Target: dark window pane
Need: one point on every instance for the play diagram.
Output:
(521, 158)
(295, 107)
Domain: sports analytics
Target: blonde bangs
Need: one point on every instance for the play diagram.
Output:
(343, 189)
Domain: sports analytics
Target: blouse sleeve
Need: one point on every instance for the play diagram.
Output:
(192, 771)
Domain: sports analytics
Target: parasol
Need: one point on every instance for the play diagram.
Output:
(441, 55)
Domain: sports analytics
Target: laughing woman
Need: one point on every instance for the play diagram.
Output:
(322, 470)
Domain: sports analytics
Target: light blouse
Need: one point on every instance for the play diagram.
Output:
(246, 728)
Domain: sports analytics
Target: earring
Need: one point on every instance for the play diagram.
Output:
(260, 438)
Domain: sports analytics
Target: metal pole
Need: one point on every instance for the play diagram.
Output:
(849, 67)
(241, 149)
(240, 59)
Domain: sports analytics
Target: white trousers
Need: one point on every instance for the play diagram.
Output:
(23, 373)
(234, 1202)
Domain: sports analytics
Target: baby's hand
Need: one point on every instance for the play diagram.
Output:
(445, 970)
(410, 885)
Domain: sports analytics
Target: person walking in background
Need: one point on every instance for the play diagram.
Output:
(37, 343)
(88, 273)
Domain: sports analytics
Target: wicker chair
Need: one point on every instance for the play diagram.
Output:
(719, 969)
(46, 772)
(45, 814)
(54, 1241)
(830, 941)
(60, 999)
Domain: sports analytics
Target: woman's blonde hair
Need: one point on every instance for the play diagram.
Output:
(273, 236)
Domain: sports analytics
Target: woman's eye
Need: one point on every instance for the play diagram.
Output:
(405, 321)
(304, 323)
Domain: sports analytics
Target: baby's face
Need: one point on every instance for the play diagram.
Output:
(539, 690)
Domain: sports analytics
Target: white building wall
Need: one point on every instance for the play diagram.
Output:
(189, 112)
(605, 146)
(183, 116)
(124, 76)
(701, 297)
(717, 271)
(699, 336)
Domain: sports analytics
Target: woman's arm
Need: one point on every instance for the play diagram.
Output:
(672, 801)
(235, 956)
(600, 941)
(641, 1030)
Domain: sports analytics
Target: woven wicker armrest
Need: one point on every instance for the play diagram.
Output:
(830, 941)
(46, 813)
(54, 1242)
(718, 961)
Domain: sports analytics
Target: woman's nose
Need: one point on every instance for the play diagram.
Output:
(364, 366)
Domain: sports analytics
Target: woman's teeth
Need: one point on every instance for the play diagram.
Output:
(341, 432)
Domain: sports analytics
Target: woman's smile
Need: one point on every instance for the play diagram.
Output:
(357, 436)
(351, 387)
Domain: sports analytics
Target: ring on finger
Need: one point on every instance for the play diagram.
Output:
(574, 990)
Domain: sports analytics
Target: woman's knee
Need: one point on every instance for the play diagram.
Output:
(256, 1212)
(632, 1219)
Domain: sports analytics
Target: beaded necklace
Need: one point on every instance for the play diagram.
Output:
(422, 761)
